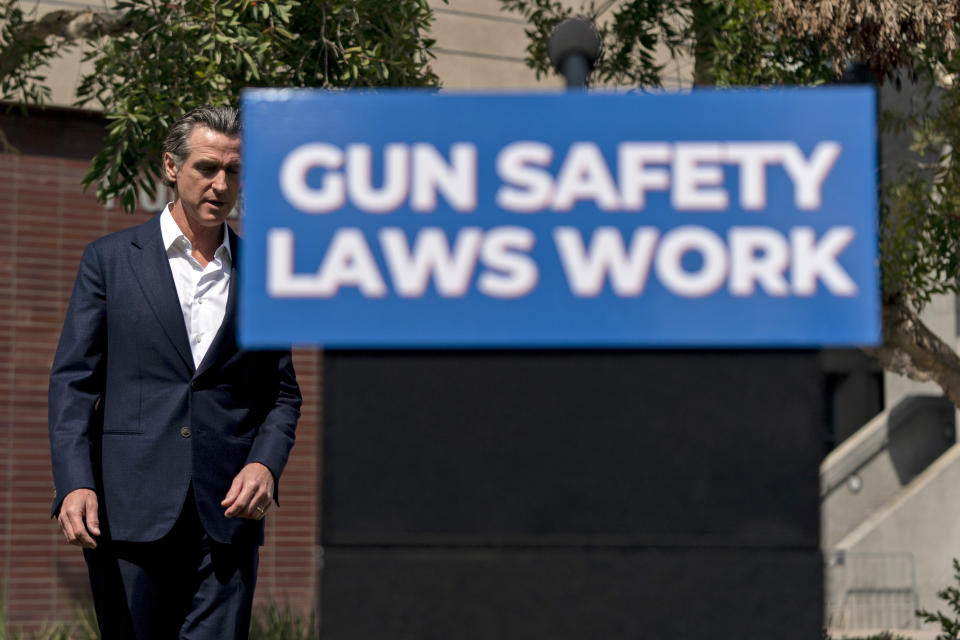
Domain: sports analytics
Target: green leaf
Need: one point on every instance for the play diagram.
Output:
(178, 55)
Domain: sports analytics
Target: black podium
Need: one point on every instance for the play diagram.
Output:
(580, 494)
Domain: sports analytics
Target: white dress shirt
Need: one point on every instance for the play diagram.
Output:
(203, 291)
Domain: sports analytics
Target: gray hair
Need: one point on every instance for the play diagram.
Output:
(224, 120)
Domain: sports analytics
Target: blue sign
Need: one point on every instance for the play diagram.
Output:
(414, 219)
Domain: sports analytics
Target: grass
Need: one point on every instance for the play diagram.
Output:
(270, 622)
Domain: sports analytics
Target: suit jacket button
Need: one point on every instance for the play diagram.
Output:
(194, 384)
(185, 432)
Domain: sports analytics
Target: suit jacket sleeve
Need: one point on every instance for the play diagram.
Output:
(271, 447)
(77, 381)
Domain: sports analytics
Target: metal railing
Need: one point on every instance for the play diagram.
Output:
(870, 591)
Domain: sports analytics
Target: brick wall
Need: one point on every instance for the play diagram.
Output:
(45, 222)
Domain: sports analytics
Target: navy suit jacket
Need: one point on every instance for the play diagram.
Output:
(132, 418)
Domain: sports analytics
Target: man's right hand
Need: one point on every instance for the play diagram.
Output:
(78, 518)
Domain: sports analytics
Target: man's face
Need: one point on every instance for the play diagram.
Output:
(208, 182)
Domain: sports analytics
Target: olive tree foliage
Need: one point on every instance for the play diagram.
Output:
(810, 42)
(153, 60)
(732, 42)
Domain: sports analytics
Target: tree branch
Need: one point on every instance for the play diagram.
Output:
(5, 146)
(910, 348)
(75, 25)
(880, 33)
(68, 25)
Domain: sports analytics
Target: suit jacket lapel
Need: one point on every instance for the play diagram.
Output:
(151, 267)
(226, 339)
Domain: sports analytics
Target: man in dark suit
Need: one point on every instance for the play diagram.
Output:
(167, 440)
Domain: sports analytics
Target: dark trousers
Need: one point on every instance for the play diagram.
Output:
(183, 586)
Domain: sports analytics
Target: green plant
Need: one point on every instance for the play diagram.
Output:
(273, 622)
(61, 631)
(270, 622)
(148, 61)
(85, 623)
(949, 622)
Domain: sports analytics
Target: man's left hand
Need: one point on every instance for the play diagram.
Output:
(251, 494)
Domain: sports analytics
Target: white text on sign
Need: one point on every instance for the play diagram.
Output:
(419, 175)
(749, 258)
(498, 262)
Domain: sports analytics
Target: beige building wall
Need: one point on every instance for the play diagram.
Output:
(479, 46)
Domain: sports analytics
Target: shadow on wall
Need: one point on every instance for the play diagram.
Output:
(919, 430)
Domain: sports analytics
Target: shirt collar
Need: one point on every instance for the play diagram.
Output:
(171, 233)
